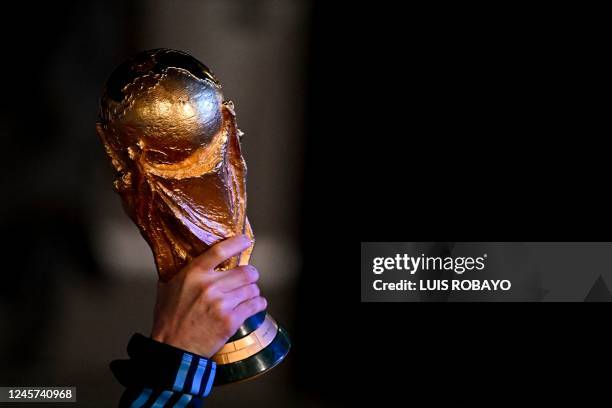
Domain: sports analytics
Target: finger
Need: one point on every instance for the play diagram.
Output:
(237, 277)
(249, 307)
(221, 251)
(242, 294)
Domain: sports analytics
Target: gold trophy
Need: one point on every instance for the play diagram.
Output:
(175, 148)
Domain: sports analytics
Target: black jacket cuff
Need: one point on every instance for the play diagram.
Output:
(159, 366)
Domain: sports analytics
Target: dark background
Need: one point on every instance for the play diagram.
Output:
(465, 123)
(369, 122)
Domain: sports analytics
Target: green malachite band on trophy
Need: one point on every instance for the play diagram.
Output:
(249, 325)
(256, 364)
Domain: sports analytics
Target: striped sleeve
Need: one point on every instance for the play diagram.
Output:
(159, 375)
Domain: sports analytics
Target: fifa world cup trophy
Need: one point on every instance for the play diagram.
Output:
(175, 148)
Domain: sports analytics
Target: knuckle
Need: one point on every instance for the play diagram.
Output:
(243, 274)
(218, 252)
(263, 303)
(207, 291)
(193, 278)
(251, 273)
(195, 265)
(253, 308)
(194, 281)
(218, 308)
(254, 290)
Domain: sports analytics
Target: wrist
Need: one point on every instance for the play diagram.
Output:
(161, 366)
(181, 344)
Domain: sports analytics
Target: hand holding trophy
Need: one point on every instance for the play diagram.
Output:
(175, 147)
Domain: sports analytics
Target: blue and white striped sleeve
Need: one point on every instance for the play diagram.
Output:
(159, 375)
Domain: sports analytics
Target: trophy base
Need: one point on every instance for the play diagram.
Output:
(252, 354)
